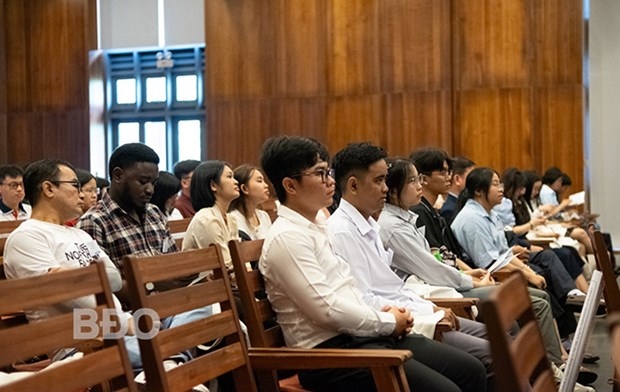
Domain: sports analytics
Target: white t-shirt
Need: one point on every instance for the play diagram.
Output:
(35, 247)
(255, 233)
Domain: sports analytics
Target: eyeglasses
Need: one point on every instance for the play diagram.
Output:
(75, 183)
(446, 172)
(91, 190)
(498, 185)
(14, 185)
(322, 172)
(416, 179)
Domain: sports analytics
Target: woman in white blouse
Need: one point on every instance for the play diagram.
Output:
(252, 222)
(212, 190)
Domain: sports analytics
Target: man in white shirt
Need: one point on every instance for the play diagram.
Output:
(361, 171)
(12, 194)
(316, 298)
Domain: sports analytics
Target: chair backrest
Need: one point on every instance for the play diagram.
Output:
(523, 359)
(178, 226)
(232, 356)
(6, 227)
(260, 318)
(21, 342)
(603, 263)
(614, 331)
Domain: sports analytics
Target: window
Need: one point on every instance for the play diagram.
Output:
(162, 107)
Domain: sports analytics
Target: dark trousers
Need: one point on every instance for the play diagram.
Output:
(434, 367)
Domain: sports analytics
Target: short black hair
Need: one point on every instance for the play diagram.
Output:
(459, 165)
(102, 182)
(166, 186)
(566, 180)
(200, 191)
(551, 175)
(83, 176)
(183, 168)
(354, 159)
(38, 172)
(429, 159)
(479, 179)
(399, 171)
(129, 154)
(13, 171)
(288, 156)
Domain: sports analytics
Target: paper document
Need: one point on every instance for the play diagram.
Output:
(501, 261)
(577, 198)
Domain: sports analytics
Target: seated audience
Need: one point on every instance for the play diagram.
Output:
(314, 296)
(184, 170)
(165, 195)
(102, 186)
(361, 171)
(12, 194)
(412, 253)
(551, 184)
(89, 189)
(460, 166)
(253, 223)
(213, 189)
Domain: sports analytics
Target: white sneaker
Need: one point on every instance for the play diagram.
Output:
(559, 375)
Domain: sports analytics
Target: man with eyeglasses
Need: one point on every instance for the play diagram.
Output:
(12, 194)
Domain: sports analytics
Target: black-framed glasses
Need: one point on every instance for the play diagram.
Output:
(75, 183)
(446, 172)
(322, 172)
(14, 185)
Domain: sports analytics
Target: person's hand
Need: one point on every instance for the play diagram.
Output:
(404, 320)
(521, 252)
(486, 280)
(450, 318)
(537, 221)
(537, 281)
(565, 203)
(476, 273)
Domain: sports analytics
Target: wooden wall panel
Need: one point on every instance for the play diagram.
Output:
(559, 119)
(418, 119)
(301, 36)
(491, 43)
(240, 49)
(415, 45)
(495, 127)
(46, 45)
(558, 41)
(354, 118)
(353, 47)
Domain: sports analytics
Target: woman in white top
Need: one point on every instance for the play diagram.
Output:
(252, 222)
(212, 190)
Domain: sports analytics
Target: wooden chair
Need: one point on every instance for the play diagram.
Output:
(521, 360)
(19, 342)
(6, 227)
(178, 228)
(263, 330)
(232, 356)
(614, 332)
(603, 263)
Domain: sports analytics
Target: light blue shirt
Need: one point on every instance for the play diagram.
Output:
(480, 234)
(357, 241)
(504, 213)
(548, 196)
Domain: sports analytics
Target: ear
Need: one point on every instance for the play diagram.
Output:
(47, 189)
(352, 184)
(117, 174)
(243, 188)
(213, 187)
(290, 186)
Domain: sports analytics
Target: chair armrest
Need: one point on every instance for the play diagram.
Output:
(460, 306)
(500, 276)
(292, 358)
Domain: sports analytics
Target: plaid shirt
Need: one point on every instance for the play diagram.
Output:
(118, 234)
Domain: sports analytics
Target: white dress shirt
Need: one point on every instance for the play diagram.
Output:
(357, 241)
(310, 288)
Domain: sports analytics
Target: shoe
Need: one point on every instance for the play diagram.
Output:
(585, 376)
(590, 358)
(559, 375)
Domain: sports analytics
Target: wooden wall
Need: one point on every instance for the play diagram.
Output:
(498, 81)
(44, 109)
